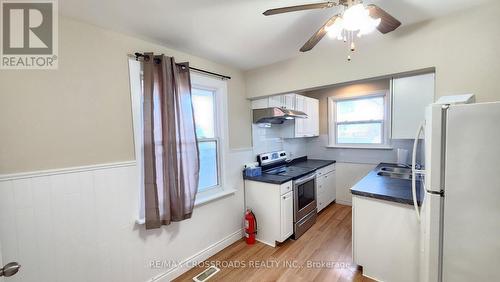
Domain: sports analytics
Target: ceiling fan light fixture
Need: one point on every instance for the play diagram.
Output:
(354, 16)
(353, 20)
(335, 30)
(368, 26)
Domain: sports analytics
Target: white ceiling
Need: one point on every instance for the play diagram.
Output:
(234, 32)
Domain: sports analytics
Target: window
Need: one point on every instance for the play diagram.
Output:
(359, 122)
(209, 105)
(209, 101)
(208, 142)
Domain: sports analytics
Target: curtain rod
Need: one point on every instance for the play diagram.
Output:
(138, 55)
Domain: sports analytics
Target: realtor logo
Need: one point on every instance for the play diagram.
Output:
(28, 34)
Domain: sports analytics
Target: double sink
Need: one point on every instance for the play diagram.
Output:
(395, 172)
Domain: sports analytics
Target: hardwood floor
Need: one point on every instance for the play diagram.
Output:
(323, 253)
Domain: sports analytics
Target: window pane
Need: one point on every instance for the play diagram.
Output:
(208, 165)
(360, 109)
(204, 112)
(361, 133)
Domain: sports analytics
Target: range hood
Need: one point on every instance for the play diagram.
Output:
(275, 115)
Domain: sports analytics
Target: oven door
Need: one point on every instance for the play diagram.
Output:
(304, 190)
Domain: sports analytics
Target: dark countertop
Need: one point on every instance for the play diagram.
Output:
(313, 164)
(303, 162)
(386, 188)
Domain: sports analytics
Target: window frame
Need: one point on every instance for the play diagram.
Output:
(219, 88)
(386, 121)
(200, 84)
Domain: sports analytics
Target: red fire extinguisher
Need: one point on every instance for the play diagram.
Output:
(250, 227)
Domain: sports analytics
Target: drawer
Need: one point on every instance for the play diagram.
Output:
(286, 187)
(325, 170)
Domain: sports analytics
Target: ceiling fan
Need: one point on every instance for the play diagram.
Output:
(354, 19)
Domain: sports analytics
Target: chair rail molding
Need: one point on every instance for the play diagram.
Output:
(39, 173)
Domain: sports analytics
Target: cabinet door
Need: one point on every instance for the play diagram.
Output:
(410, 96)
(300, 123)
(313, 117)
(276, 101)
(307, 121)
(260, 103)
(330, 187)
(288, 101)
(320, 193)
(286, 216)
(310, 125)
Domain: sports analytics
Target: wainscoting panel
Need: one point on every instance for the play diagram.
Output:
(58, 226)
(79, 225)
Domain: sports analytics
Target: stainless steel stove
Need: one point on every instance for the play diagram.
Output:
(304, 188)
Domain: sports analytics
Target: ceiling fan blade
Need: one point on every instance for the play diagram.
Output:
(388, 23)
(324, 5)
(318, 35)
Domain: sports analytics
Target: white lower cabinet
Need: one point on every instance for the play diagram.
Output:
(385, 239)
(325, 186)
(272, 205)
(286, 216)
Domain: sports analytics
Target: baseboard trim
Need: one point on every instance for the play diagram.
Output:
(39, 173)
(345, 203)
(267, 243)
(188, 263)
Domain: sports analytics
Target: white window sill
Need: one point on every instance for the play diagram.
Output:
(209, 196)
(202, 198)
(360, 147)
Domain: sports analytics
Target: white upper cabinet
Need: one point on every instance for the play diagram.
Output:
(304, 127)
(308, 127)
(260, 103)
(286, 101)
(300, 123)
(410, 96)
(275, 101)
(313, 113)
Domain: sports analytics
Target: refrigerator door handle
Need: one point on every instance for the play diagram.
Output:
(414, 171)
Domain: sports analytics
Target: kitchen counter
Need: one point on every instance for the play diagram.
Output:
(302, 162)
(313, 164)
(386, 188)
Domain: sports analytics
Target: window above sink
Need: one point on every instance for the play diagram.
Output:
(361, 121)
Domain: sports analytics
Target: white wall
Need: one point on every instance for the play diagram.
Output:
(463, 47)
(80, 226)
(80, 113)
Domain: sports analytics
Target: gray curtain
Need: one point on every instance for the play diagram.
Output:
(171, 157)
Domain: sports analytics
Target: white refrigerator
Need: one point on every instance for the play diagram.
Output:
(460, 211)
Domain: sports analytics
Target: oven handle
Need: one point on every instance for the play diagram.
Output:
(304, 179)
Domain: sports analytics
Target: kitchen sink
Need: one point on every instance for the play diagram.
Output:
(405, 176)
(403, 170)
